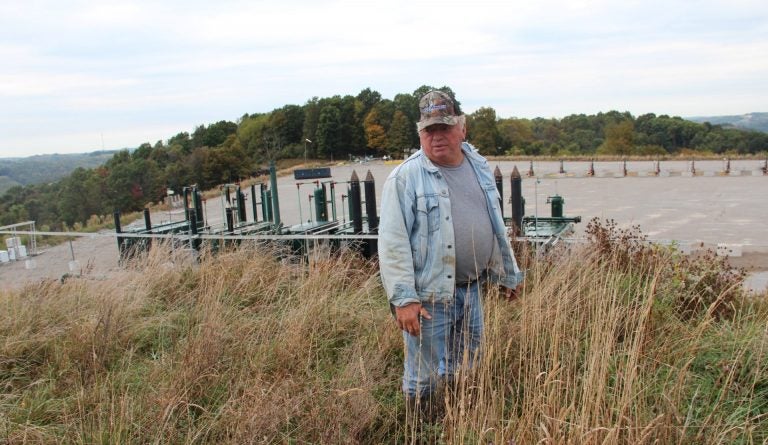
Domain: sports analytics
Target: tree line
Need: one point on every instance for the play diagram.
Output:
(339, 128)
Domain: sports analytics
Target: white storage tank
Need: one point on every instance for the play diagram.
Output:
(4, 258)
(12, 242)
(21, 251)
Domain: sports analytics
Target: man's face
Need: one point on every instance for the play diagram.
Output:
(442, 143)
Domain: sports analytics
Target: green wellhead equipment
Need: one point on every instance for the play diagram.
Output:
(359, 231)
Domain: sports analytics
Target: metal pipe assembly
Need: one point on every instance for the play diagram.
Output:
(275, 200)
(518, 204)
(355, 207)
(543, 232)
(321, 230)
(240, 204)
(118, 230)
(253, 203)
(370, 202)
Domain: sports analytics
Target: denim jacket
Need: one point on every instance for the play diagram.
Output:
(416, 234)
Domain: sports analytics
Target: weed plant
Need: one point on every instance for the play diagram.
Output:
(245, 346)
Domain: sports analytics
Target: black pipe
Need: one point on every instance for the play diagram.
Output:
(120, 240)
(193, 229)
(325, 201)
(275, 199)
(355, 206)
(333, 200)
(192, 218)
(266, 200)
(186, 192)
(253, 203)
(321, 209)
(516, 197)
(499, 187)
(263, 194)
(148, 226)
(198, 198)
(147, 221)
(230, 217)
(370, 203)
(241, 205)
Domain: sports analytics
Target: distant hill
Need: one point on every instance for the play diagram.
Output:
(749, 121)
(46, 168)
(6, 183)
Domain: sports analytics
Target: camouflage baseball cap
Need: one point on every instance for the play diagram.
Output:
(436, 107)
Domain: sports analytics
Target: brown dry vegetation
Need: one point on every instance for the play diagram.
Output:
(612, 343)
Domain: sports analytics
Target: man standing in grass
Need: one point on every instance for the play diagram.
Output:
(441, 235)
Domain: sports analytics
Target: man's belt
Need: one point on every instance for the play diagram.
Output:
(466, 283)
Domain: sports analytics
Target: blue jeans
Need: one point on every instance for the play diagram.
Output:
(449, 342)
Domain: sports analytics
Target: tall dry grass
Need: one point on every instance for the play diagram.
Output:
(248, 346)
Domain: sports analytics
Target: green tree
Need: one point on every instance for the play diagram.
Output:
(408, 105)
(364, 102)
(251, 133)
(226, 164)
(619, 139)
(399, 137)
(368, 98)
(143, 152)
(182, 141)
(483, 131)
(329, 131)
(213, 135)
(515, 133)
(287, 124)
(375, 133)
(351, 132)
(194, 165)
(311, 119)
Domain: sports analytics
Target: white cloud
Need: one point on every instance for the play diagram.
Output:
(158, 64)
(39, 84)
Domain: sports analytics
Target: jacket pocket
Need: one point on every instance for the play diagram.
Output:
(427, 224)
(428, 214)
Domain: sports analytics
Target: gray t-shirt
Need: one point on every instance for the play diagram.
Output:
(471, 221)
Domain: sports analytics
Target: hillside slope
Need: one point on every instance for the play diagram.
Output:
(749, 121)
(46, 168)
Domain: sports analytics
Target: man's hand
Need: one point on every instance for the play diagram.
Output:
(512, 294)
(408, 318)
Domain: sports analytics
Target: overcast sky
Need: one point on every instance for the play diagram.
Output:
(76, 76)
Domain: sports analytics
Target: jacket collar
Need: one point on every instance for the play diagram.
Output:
(469, 151)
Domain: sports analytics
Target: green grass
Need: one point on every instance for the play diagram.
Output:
(246, 348)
